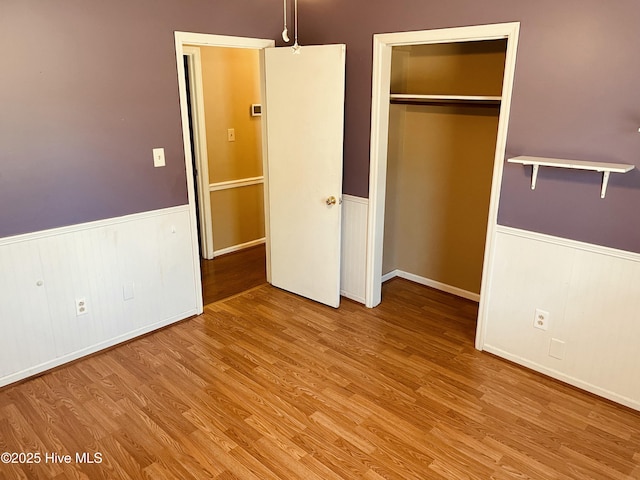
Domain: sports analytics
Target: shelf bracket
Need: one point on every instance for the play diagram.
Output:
(534, 175)
(605, 182)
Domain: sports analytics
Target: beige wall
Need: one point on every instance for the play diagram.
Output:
(241, 212)
(465, 68)
(440, 163)
(231, 84)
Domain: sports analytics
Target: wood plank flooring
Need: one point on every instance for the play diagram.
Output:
(233, 273)
(266, 385)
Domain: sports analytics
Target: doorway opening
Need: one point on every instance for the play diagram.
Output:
(220, 87)
(427, 88)
(303, 94)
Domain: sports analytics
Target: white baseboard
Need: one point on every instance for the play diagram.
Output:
(432, 283)
(351, 296)
(240, 246)
(388, 276)
(576, 382)
(43, 367)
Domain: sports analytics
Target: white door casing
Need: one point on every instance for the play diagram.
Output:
(199, 132)
(202, 39)
(304, 117)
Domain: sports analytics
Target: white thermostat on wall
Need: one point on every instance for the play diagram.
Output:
(256, 110)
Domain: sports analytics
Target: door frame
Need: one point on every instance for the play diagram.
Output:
(211, 40)
(200, 148)
(382, 50)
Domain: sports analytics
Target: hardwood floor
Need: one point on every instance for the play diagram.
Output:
(233, 273)
(266, 385)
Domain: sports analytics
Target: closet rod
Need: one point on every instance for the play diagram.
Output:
(430, 99)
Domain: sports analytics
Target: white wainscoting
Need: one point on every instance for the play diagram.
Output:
(354, 247)
(42, 274)
(593, 296)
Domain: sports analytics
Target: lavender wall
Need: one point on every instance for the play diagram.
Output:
(575, 96)
(88, 88)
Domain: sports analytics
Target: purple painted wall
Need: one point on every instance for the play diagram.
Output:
(575, 96)
(88, 88)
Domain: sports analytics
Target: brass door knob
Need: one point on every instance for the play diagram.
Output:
(331, 200)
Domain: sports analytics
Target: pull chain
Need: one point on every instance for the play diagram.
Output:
(296, 46)
(285, 33)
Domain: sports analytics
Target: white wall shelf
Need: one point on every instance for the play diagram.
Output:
(605, 168)
(470, 99)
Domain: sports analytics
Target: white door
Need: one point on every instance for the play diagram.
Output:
(304, 113)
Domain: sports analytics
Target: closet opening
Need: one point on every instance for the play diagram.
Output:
(439, 119)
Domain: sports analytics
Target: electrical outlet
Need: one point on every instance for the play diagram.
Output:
(541, 319)
(81, 306)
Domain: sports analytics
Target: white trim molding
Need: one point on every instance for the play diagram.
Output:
(241, 182)
(432, 283)
(54, 232)
(56, 362)
(238, 247)
(571, 380)
(199, 131)
(382, 51)
(566, 242)
(592, 296)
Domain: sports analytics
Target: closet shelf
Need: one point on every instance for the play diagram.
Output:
(605, 168)
(470, 99)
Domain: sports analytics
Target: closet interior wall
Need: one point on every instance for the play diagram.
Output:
(440, 161)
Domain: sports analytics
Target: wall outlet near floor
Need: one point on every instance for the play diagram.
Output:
(541, 319)
(81, 306)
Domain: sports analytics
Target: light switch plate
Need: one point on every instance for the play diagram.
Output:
(158, 157)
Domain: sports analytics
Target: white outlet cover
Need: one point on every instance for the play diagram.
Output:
(541, 319)
(81, 306)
